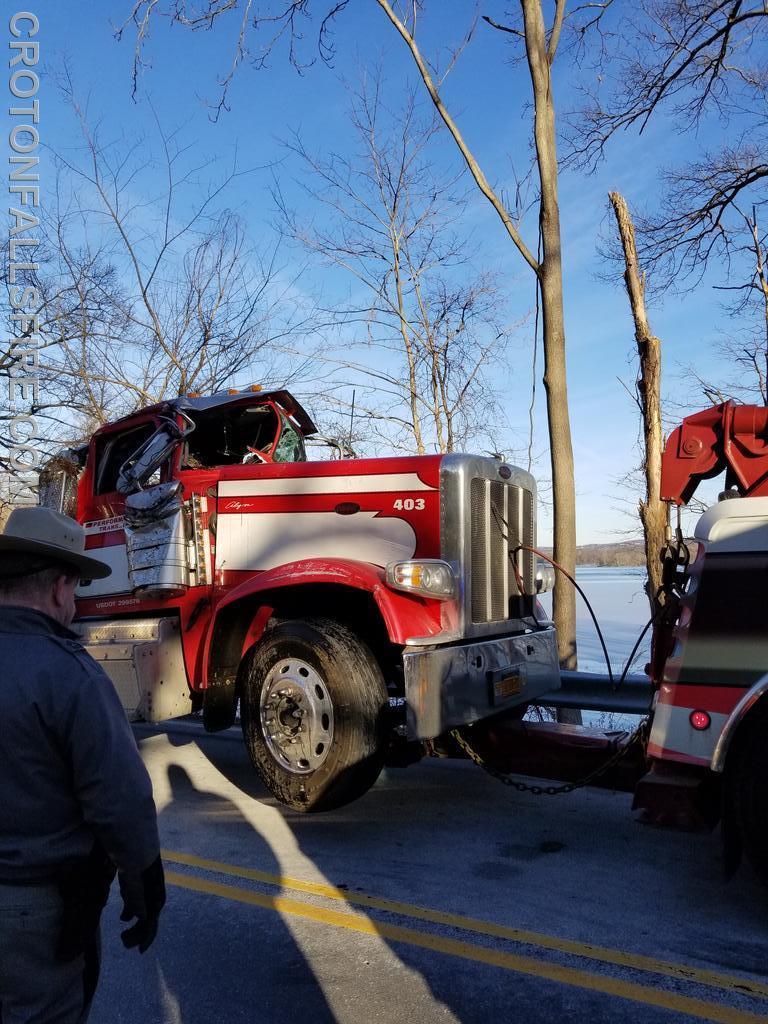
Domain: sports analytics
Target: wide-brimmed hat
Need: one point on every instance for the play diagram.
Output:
(41, 531)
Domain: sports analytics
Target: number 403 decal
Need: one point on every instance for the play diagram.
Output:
(408, 504)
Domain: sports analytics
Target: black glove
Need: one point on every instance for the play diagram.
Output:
(143, 898)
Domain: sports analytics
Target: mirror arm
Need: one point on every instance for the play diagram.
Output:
(177, 435)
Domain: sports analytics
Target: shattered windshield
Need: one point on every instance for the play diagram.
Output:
(244, 434)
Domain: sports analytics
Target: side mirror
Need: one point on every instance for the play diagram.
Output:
(137, 470)
(545, 577)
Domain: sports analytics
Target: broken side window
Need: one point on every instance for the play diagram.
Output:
(290, 447)
(113, 450)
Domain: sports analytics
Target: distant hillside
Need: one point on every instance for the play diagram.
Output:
(626, 552)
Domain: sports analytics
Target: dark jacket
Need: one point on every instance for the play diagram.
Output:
(70, 771)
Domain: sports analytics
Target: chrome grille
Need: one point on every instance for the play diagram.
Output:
(488, 508)
(501, 518)
(479, 545)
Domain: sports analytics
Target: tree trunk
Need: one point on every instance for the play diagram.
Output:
(413, 394)
(761, 274)
(653, 511)
(550, 273)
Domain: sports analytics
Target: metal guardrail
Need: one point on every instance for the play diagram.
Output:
(592, 691)
(586, 691)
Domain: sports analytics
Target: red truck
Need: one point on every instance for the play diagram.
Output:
(351, 609)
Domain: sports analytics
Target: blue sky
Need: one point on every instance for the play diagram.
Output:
(488, 96)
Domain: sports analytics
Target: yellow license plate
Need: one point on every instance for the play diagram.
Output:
(508, 687)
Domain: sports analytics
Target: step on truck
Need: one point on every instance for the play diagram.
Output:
(350, 610)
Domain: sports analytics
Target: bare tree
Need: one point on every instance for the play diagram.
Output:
(141, 299)
(744, 349)
(700, 63)
(653, 511)
(759, 284)
(540, 48)
(280, 20)
(423, 331)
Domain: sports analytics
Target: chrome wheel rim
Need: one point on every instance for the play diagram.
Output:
(296, 714)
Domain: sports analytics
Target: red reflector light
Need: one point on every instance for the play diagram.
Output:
(700, 720)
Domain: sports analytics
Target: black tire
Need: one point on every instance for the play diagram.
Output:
(340, 667)
(748, 789)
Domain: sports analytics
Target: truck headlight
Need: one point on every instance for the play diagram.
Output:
(429, 576)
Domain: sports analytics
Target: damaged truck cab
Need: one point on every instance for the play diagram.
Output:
(349, 608)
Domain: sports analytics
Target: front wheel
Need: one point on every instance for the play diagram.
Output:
(312, 711)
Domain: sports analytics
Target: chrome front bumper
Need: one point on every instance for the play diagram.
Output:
(454, 685)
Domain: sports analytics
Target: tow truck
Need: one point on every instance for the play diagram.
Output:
(710, 659)
(700, 755)
(363, 610)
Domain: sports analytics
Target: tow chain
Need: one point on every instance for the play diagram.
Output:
(638, 736)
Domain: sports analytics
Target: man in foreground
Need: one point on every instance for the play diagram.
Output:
(75, 798)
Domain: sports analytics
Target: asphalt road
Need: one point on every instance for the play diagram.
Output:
(441, 896)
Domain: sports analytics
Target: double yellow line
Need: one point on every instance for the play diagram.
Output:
(519, 963)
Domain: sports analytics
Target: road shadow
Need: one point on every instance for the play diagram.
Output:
(445, 836)
(214, 960)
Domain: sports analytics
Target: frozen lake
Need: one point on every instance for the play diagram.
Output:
(621, 607)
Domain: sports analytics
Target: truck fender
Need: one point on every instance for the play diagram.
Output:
(404, 615)
(240, 617)
(736, 717)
